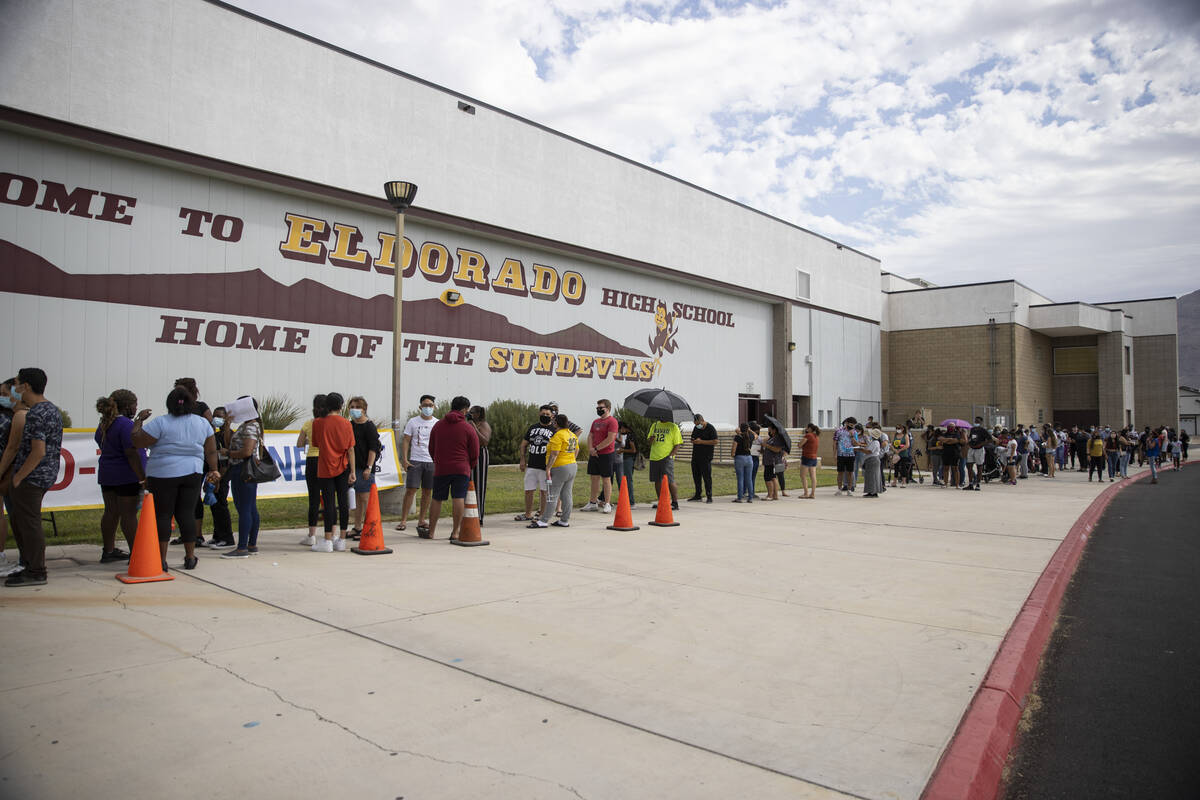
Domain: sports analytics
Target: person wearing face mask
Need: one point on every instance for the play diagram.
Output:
(222, 522)
(367, 450)
(477, 416)
(418, 465)
(8, 408)
(34, 471)
(121, 472)
(602, 441)
(531, 454)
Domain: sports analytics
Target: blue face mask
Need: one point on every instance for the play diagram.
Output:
(14, 394)
(426, 411)
(356, 413)
(6, 401)
(218, 422)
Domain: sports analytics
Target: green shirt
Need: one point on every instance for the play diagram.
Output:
(664, 437)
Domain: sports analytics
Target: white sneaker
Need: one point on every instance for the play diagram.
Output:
(339, 545)
(323, 546)
(590, 507)
(308, 541)
(608, 508)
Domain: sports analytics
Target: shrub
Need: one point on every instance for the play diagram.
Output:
(279, 412)
(509, 420)
(640, 427)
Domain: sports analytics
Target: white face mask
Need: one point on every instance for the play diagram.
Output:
(426, 411)
(218, 422)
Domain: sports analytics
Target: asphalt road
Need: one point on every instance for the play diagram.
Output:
(1120, 685)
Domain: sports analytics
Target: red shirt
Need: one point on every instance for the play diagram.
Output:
(334, 436)
(810, 446)
(453, 445)
(601, 428)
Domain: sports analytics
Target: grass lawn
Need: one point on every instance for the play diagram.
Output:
(505, 497)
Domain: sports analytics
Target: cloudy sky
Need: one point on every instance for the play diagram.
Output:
(1054, 142)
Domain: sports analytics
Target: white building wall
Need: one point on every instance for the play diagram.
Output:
(90, 345)
(201, 78)
(1157, 317)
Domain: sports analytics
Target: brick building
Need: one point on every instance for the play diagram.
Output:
(1005, 352)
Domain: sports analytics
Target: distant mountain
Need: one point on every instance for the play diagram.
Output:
(253, 293)
(1188, 309)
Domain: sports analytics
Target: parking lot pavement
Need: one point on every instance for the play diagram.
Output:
(793, 649)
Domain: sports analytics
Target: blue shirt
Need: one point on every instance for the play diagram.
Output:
(43, 421)
(179, 450)
(845, 443)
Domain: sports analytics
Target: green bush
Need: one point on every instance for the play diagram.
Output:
(509, 420)
(279, 412)
(640, 427)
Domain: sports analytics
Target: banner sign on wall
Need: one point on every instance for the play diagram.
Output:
(77, 486)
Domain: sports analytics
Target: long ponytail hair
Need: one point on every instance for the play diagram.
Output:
(109, 408)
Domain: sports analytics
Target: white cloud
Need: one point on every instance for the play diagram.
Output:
(957, 141)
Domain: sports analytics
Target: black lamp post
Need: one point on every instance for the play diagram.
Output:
(401, 195)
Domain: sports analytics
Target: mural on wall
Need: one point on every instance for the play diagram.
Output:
(257, 290)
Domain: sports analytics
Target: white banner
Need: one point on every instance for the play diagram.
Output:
(77, 486)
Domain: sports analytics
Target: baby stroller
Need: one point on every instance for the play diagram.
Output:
(992, 468)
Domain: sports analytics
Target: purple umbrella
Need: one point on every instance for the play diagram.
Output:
(958, 423)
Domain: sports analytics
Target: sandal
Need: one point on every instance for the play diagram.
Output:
(355, 534)
(523, 518)
(401, 527)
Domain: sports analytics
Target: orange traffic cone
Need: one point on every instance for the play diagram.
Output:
(623, 521)
(469, 533)
(664, 518)
(145, 564)
(371, 542)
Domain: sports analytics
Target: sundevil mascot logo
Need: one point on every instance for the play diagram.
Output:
(663, 340)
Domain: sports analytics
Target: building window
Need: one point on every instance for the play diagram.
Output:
(1075, 360)
(1128, 361)
(802, 284)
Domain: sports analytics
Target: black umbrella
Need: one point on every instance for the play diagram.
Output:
(659, 404)
(782, 431)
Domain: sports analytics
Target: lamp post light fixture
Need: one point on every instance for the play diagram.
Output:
(400, 194)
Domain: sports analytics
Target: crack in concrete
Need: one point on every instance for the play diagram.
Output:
(367, 740)
(201, 656)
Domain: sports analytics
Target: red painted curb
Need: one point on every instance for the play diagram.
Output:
(971, 765)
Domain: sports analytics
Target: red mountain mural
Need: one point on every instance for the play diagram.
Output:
(253, 293)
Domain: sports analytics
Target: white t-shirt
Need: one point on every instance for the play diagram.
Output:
(1012, 447)
(419, 428)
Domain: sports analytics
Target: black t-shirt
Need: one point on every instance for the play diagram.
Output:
(538, 437)
(743, 442)
(977, 436)
(950, 445)
(703, 452)
(366, 439)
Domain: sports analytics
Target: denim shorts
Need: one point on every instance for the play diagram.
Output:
(363, 485)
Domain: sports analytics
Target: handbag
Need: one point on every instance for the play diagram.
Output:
(260, 468)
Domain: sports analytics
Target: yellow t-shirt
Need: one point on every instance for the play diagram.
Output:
(562, 449)
(1096, 447)
(313, 450)
(664, 436)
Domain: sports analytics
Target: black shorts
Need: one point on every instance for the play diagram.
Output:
(845, 463)
(450, 485)
(600, 464)
(123, 489)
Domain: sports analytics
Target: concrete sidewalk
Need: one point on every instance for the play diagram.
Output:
(794, 649)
